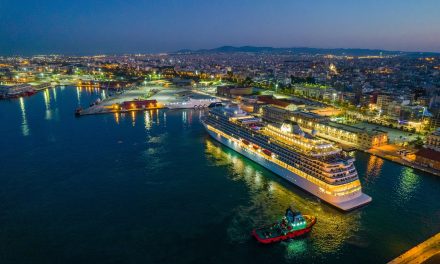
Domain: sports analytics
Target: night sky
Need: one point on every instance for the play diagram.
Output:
(132, 26)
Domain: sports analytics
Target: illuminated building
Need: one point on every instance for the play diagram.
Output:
(168, 72)
(316, 91)
(277, 114)
(183, 82)
(282, 103)
(433, 140)
(383, 100)
(231, 91)
(139, 104)
(348, 135)
(429, 158)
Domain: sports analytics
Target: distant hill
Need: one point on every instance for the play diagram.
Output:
(305, 50)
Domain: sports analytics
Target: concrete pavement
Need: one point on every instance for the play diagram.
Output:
(422, 253)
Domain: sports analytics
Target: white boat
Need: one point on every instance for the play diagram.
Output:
(189, 102)
(313, 164)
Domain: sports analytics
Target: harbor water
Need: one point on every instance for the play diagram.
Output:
(152, 187)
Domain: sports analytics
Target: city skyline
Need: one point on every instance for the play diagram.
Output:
(82, 28)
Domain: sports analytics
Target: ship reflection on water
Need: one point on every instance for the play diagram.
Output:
(269, 196)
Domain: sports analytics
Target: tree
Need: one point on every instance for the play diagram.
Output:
(418, 142)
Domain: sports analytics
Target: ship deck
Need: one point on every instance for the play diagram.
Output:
(362, 200)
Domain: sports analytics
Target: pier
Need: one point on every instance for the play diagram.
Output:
(427, 252)
(95, 110)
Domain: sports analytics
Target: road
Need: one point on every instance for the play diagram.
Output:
(425, 252)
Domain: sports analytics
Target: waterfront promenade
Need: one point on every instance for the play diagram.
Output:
(389, 152)
(426, 252)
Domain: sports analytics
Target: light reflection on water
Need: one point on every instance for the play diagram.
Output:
(270, 196)
(164, 119)
(46, 95)
(78, 95)
(374, 168)
(408, 184)
(133, 118)
(155, 152)
(24, 124)
(147, 120)
(54, 94)
(116, 115)
(157, 117)
(190, 116)
(184, 117)
(295, 248)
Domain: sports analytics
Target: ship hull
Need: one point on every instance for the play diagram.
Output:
(256, 233)
(187, 106)
(351, 202)
(192, 104)
(281, 238)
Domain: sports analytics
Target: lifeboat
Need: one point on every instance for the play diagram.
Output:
(267, 152)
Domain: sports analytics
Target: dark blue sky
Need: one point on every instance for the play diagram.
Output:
(117, 26)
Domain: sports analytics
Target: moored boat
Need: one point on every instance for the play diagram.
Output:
(78, 111)
(313, 164)
(189, 102)
(293, 224)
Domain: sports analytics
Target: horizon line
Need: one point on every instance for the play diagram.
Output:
(210, 49)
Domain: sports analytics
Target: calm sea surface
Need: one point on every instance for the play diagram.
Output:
(152, 187)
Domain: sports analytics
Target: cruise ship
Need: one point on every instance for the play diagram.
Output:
(313, 164)
(190, 102)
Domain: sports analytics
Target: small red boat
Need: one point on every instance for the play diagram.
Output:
(292, 225)
(246, 142)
